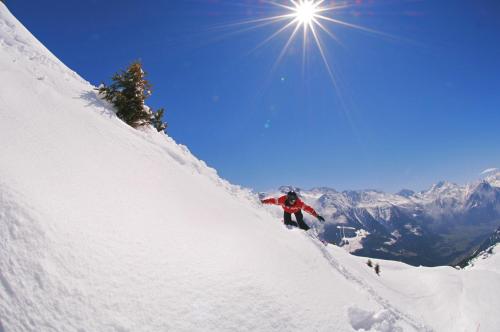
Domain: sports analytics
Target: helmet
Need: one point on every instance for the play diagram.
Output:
(291, 196)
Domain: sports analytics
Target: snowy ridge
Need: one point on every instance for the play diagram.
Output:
(485, 251)
(494, 178)
(106, 228)
(487, 260)
(15, 38)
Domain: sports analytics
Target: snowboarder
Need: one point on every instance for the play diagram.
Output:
(291, 203)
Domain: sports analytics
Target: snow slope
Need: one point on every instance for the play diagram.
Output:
(106, 228)
(488, 260)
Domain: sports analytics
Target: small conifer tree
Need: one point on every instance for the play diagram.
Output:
(157, 120)
(377, 269)
(369, 263)
(127, 93)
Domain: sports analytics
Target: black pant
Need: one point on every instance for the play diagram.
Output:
(300, 220)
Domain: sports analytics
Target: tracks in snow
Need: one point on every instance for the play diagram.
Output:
(379, 299)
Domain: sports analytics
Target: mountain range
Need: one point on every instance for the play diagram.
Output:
(438, 226)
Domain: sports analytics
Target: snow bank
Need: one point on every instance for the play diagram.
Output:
(106, 228)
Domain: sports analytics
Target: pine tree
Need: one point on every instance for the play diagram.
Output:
(127, 93)
(377, 269)
(369, 263)
(157, 120)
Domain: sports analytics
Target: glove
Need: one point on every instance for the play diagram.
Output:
(320, 218)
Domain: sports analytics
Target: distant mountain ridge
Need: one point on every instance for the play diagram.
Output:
(438, 226)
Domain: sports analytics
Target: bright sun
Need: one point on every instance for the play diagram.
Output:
(305, 11)
(308, 19)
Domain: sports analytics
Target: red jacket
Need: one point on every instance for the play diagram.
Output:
(299, 205)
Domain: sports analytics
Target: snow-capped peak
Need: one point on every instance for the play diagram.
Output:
(405, 193)
(442, 187)
(493, 178)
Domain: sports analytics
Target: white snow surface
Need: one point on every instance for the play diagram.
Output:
(107, 228)
(494, 178)
(488, 260)
(355, 243)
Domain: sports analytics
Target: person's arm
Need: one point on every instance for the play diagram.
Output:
(273, 201)
(311, 211)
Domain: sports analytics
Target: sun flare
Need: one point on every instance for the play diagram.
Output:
(305, 11)
(307, 20)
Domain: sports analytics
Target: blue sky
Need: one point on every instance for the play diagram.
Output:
(413, 109)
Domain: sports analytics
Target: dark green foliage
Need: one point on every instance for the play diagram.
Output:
(128, 93)
(157, 122)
